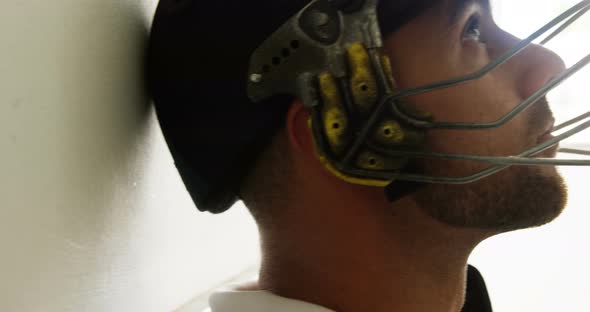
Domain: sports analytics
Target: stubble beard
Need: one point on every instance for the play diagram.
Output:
(517, 198)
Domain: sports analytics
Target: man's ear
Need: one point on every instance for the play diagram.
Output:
(298, 131)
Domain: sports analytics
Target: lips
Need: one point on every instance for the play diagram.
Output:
(546, 136)
(546, 131)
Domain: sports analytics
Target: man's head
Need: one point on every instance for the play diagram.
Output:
(468, 39)
(457, 38)
(426, 41)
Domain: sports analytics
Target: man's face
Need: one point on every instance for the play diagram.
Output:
(456, 38)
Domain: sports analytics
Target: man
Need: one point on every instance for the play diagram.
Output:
(329, 244)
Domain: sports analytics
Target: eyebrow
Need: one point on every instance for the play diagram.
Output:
(458, 6)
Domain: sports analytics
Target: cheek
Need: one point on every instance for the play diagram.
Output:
(481, 101)
(508, 140)
(485, 100)
(419, 63)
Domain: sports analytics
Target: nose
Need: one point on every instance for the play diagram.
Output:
(532, 68)
(539, 66)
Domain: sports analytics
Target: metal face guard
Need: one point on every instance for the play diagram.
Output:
(365, 131)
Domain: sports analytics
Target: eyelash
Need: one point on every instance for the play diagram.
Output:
(472, 30)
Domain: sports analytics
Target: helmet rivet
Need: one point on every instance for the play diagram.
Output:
(256, 78)
(320, 18)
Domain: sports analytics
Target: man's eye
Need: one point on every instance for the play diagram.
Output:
(472, 29)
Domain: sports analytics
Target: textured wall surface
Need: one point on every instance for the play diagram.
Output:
(93, 216)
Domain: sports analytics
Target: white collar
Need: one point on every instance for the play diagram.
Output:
(231, 300)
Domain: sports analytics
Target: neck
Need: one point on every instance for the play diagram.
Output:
(367, 260)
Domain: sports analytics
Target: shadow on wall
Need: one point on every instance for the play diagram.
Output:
(73, 136)
(107, 109)
(94, 215)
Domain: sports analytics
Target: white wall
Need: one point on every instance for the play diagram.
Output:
(93, 216)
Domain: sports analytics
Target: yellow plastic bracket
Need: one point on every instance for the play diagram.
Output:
(362, 83)
(334, 118)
